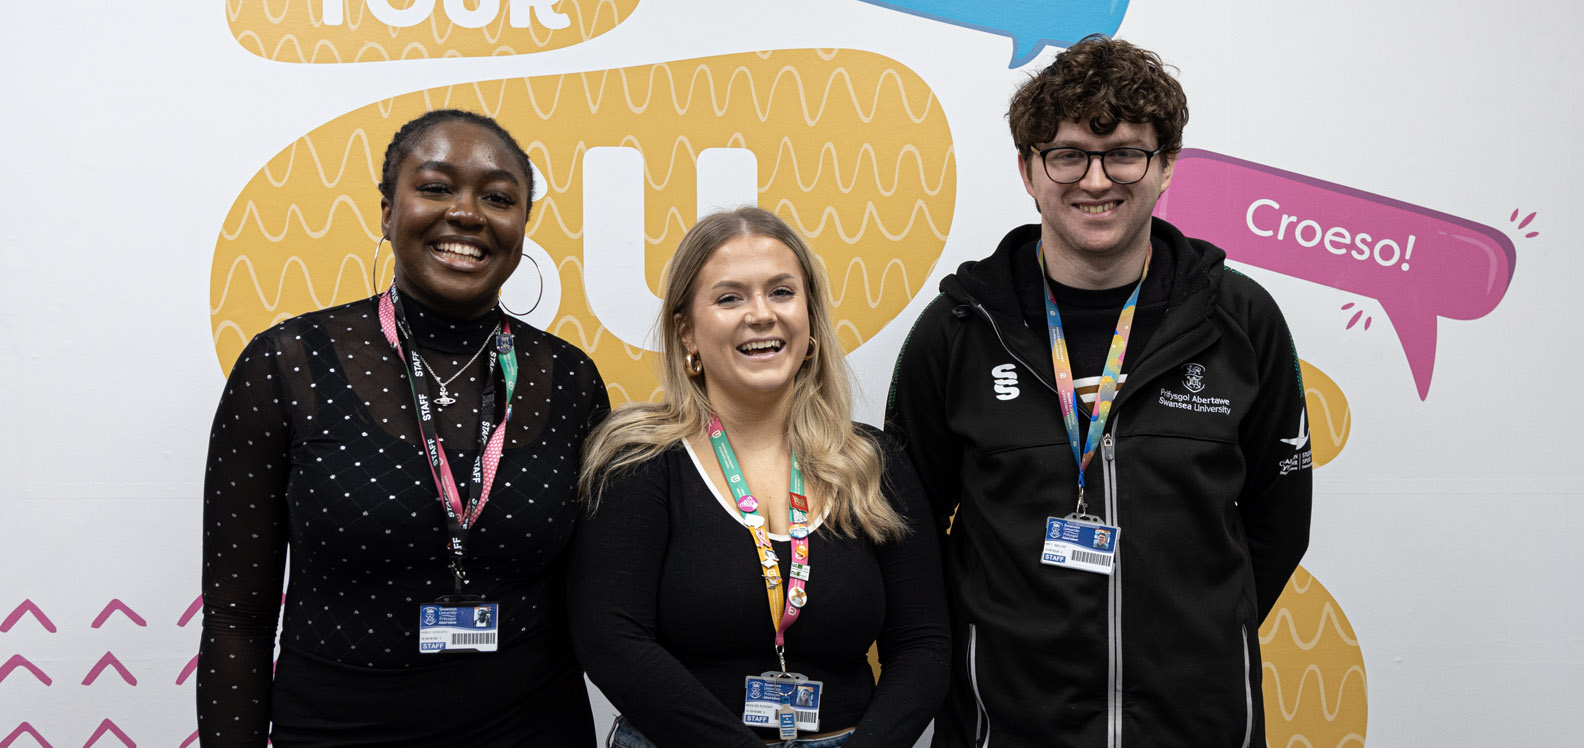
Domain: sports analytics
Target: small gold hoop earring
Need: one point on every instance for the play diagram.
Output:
(813, 349)
(540, 298)
(374, 268)
(692, 364)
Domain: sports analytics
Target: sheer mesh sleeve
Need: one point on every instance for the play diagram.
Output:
(244, 549)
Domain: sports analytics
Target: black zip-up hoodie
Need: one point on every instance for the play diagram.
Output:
(1204, 466)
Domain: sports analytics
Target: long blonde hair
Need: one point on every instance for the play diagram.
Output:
(840, 463)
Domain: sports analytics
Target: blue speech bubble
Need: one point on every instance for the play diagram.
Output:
(1032, 24)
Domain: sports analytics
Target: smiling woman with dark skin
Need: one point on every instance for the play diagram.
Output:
(417, 453)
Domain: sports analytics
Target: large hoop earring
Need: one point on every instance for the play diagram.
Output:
(531, 309)
(374, 267)
(813, 349)
(692, 364)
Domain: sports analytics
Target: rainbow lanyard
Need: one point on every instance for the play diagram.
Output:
(1067, 393)
(459, 516)
(782, 614)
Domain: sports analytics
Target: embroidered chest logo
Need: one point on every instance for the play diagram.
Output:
(1194, 381)
(1006, 380)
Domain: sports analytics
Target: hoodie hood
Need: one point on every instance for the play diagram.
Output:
(994, 284)
(994, 290)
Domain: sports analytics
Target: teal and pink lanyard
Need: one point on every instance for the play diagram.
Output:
(1067, 391)
(784, 606)
(460, 515)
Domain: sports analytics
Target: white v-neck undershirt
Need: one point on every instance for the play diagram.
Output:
(731, 507)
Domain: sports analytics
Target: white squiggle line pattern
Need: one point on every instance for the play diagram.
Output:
(587, 344)
(1327, 613)
(1328, 707)
(788, 152)
(280, 290)
(857, 266)
(358, 137)
(830, 216)
(292, 210)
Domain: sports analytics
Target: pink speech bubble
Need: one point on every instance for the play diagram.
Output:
(1418, 263)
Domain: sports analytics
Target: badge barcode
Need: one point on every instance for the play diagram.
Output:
(805, 716)
(1091, 558)
(471, 639)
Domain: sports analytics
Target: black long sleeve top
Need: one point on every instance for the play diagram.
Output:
(315, 457)
(669, 612)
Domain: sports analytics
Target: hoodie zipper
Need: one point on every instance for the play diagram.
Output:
(1109, 471)
(1248, 691)
(1113, 595)
(1113, 583)
(982, 717)
(984, 314)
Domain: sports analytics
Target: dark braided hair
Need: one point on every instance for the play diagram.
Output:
(402, 143)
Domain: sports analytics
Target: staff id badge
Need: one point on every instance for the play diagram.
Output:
(1080, 544)
(767, 694)
(458, 627)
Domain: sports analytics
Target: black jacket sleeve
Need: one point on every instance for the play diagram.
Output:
(1277, 492)
(916, 410)
(244, 550)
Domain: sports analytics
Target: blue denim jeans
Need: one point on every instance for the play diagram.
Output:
(624, 735)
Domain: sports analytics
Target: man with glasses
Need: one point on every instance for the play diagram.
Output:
(1117, 421)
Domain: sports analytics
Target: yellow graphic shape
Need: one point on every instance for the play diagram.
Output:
(1315, 693)
(853, 151)
(1330, 419)
(317, 31)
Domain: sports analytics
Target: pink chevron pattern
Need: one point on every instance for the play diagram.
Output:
(113, 606)
(24, 729)
(18, 661)
(108, 726)
(192, 665)
(192, 610)
(108, 660)
(27, 606)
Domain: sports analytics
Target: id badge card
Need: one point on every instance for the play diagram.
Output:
(1080, 544)
(767, 694)
(458, 627)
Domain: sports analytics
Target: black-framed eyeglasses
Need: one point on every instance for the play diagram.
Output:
(1065, 165)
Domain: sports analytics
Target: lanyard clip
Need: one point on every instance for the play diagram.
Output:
(781, 655)
(1082, 508)
(460, 574)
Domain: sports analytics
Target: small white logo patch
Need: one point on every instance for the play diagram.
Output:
(1302, 438)
(1005, 381)
(1304, 459)
(1193, 377)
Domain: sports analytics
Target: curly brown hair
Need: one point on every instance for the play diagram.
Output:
(1104, 81)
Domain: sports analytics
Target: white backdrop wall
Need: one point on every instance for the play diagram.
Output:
(1444, 530)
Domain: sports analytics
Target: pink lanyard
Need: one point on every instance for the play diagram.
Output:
(459, 517)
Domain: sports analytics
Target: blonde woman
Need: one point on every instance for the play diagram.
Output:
(747, 541)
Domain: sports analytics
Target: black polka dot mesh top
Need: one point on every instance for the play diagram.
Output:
(316, 449)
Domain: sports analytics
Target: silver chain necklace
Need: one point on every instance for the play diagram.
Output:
(445, 397)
